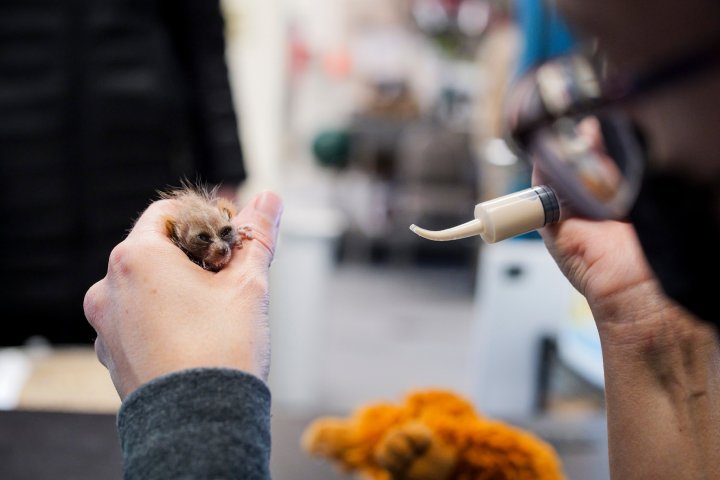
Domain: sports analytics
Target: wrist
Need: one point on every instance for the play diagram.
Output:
(644, 332)
(641, 318)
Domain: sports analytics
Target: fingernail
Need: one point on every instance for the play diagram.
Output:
(269, 204)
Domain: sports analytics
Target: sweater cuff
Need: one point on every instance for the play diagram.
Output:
(199, 423)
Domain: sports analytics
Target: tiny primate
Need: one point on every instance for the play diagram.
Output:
(202, 228)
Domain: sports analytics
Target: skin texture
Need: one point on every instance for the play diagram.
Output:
(156, 313)
(662, 365)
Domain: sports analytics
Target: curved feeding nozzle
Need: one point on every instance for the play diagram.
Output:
(473, 227)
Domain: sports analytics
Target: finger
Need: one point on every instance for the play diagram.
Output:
(263, 214)
(101, 352)
(92, 304)
(153, 219)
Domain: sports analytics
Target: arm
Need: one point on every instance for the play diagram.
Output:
(197, 423)
(188, 349)
(662, 366)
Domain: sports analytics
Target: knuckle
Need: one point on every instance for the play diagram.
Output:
(121, 259)
(92, 304)
(257, 284)
(101, 352)
(129, 255)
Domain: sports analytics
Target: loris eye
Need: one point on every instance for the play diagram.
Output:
(225, 232)
(203, 237)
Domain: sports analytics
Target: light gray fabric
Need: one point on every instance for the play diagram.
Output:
(197, 424)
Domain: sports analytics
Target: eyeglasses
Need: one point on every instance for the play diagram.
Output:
(566, 117)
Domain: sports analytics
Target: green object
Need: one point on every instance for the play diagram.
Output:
(332, 148)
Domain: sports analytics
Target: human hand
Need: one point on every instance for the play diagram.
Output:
(660, 384)
(604, 261)
(156, 312)
(601, 259)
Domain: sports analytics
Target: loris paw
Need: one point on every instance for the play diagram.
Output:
(245, 232)
(413, 452)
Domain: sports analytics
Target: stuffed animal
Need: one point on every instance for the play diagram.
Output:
(433, 435)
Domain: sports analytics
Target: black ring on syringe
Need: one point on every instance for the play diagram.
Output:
(550, 203)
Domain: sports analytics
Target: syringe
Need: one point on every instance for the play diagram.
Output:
(504, 217)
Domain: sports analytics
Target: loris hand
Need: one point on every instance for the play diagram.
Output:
(156, 312)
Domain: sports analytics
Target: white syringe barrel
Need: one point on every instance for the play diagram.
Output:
(517, 213)
(504, 217)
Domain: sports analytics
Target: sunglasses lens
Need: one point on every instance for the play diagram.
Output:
(594, 162)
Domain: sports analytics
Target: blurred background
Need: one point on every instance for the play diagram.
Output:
(366, 116)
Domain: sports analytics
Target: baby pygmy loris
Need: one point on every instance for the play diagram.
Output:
(202, 227)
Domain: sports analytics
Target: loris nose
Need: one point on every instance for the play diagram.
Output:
(223, 249)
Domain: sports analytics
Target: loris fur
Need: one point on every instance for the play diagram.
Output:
(202, 228)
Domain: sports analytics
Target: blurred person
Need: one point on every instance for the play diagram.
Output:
(545, 34)
(101, 104)
(659, 337)
(649, 277)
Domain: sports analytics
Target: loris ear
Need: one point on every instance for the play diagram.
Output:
(171, 229)
(226, 207)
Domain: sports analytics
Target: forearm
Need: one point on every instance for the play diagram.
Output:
(662, 371)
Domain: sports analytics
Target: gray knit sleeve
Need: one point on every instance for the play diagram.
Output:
(197, 424)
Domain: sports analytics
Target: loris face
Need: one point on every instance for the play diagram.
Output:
(207, 238)
(202, 228)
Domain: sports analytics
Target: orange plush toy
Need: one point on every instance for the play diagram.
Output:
(433, 435)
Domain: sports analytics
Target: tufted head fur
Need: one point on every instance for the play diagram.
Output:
(202, 227)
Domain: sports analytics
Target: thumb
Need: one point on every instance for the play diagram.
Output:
(263, 214)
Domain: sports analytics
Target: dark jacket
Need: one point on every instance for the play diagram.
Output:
(102, 102)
